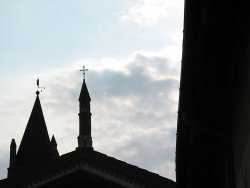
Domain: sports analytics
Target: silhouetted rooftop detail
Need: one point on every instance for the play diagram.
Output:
(53, 141)
(38, 164)
(84, 95)
(67, 171)
(54, 151)
(35, 144)
(38, 87)
(84, 138)
(13, 143)
(12, 153)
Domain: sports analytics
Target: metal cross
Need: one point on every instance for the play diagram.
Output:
(84, 71)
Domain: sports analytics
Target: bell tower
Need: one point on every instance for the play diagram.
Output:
(84, 138)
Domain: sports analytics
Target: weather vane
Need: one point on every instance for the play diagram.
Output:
(84, 71)
(38, 87)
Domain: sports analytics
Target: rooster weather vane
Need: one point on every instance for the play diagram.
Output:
(38, 87)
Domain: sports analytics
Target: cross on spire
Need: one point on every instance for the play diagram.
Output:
(84, 71)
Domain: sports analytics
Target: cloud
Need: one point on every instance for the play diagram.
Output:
(133, 79)
(148, 13)
(151, 151)
(134, 110)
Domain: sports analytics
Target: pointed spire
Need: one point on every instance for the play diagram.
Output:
(35, 144)
(53, 141)
(12, 164)
(84, 138)
(54, 151)
(13, 143)
(84, 95)
(12, 153)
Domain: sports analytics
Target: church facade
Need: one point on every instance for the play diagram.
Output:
(37, 162)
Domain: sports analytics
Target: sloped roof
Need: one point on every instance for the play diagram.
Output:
(94, 163)
(35, 144)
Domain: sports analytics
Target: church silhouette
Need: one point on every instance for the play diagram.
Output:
(37, 162)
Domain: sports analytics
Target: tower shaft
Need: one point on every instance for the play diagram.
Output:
(84, 138)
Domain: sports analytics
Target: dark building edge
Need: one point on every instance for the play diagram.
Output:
(215, 40)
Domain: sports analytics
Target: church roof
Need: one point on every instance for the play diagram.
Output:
(35, 144)
(82, 167)
(94, 164)
(84, 92)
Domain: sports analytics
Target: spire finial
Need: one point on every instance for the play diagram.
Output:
(38, 87)
(84, 71)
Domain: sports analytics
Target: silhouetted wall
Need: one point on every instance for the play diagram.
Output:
(241, 109)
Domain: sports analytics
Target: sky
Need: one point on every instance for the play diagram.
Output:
(132, 50)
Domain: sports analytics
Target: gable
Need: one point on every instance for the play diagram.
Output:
(81, 178)
(79, 174)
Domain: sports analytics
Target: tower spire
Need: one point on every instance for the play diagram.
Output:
(12, 153)
(84, 138)
(35, 144)
(35, 147)
(12, 164)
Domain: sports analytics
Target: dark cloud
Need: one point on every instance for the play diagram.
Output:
(148, 150)
(133, 110)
